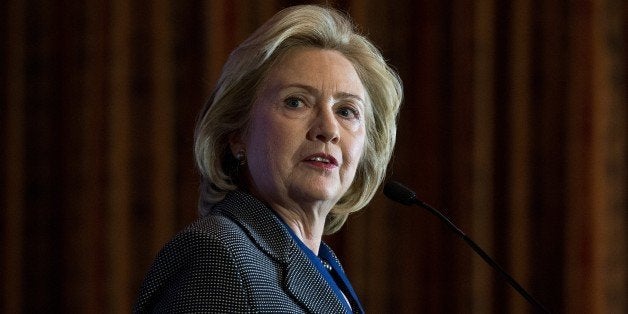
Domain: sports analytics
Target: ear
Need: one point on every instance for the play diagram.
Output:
(236, 144)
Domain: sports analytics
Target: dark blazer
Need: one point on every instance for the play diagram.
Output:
(241, 259)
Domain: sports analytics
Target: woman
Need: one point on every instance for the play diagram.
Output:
(297, 135)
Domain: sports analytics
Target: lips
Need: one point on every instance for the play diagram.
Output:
(322, 159)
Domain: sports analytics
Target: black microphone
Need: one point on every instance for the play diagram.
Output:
(400, 193)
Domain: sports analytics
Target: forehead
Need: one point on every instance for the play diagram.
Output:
(316, 67)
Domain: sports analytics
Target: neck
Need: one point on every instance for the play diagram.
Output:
(307, 225)
(306, 218)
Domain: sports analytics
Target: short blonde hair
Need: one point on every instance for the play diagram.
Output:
(227, 112)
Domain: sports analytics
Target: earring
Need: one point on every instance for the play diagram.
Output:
(241, 157)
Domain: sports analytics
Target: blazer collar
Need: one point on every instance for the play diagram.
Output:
(301, 279)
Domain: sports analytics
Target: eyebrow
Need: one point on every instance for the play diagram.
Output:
(313, 90)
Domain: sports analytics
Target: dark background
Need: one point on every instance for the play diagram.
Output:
(514, 123)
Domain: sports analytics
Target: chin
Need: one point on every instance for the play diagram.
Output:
(319, 193)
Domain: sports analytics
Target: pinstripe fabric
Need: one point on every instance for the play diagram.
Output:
(239, 258)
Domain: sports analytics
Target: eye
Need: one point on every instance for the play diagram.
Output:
(294, 102)
(348, 112)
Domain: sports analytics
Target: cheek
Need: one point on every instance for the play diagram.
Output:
(268, 143)
(355, 149)
(257, 142)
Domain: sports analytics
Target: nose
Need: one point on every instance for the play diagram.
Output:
(325, 127)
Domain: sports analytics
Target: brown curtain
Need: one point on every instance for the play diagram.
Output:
(514, 123)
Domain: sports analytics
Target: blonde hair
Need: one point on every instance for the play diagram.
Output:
(227, 111)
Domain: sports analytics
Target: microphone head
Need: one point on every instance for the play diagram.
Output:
(399, 193)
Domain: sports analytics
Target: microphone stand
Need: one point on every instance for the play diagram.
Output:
(400, 193)
(513, 283)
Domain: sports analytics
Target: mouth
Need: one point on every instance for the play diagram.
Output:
(322, 160)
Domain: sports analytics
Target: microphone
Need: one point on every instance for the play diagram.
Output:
(400, 193)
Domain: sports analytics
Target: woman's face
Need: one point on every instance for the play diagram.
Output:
(307, 131)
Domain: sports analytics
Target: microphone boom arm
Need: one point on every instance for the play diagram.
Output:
(400, 193)
(511, 281)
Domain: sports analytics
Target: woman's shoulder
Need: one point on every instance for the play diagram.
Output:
(199, 263)
(207, 234)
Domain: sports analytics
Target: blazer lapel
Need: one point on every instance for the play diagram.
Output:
(308, 286)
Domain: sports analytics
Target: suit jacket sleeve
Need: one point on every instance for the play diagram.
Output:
(195, 272)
